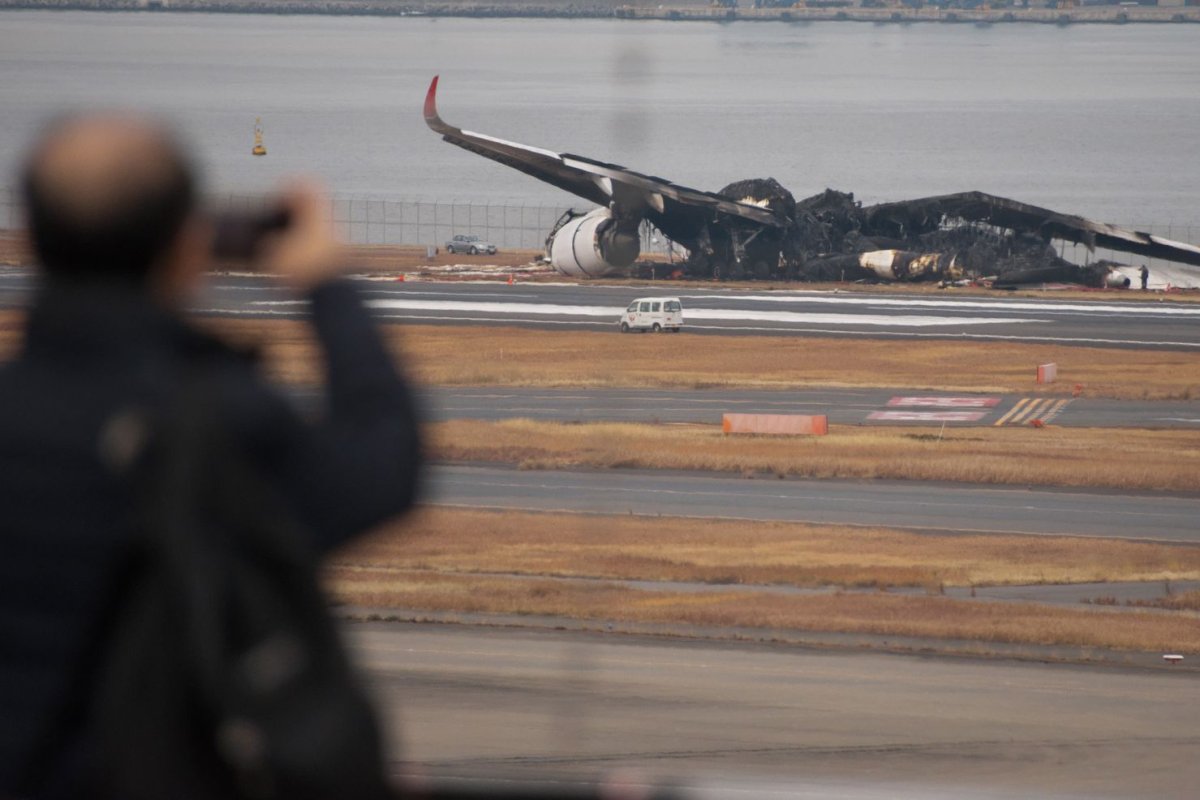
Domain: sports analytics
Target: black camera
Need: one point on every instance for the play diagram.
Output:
(238, 235)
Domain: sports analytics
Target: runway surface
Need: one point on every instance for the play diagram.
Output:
(898, 504)
(842, 406)
(1108, 322)
(772, 721)
(257, 297)
(559, 307)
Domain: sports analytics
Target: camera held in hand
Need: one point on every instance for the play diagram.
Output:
(239, 235)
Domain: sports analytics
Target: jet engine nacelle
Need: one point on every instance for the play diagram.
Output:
(593, 245)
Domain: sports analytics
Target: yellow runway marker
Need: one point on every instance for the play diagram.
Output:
(1056, 410)
(1028, 409)
(1032, 411)
(1019, 405)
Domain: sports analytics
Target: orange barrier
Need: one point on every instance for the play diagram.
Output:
(1047, 373)
(787, 424)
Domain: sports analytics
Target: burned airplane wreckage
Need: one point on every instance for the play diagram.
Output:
(756, 229)
(963, 236)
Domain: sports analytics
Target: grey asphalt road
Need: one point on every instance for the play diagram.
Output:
(772, 721)
(842, 406)
(1110, 321)
(916, 505)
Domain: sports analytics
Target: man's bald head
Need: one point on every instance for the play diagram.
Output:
(106, 196)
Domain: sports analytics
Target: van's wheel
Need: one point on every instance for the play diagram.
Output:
(474, 250)
(657, 328)
(624, 327)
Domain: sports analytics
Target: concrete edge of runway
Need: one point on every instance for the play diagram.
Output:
(780, 638)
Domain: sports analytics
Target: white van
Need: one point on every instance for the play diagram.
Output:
(653, 314)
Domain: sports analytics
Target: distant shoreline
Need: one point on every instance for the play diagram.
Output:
(615, 9)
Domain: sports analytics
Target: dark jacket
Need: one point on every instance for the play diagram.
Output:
(90, 356)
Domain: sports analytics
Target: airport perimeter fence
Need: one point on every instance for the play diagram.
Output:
(515, 226)
(364, 220)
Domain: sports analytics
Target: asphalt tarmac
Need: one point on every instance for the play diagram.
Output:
(562, 709)
(904, 407)
(750, 312)
(1109, 321)
(895, 504)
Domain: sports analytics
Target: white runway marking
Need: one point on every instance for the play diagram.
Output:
(423, 293)
(909, 302)
(900, 321)
(945, 402)
(926, 416)
(554, 310)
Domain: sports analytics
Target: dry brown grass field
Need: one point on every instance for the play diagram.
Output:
(1189, 601)
(507, 562)
(478, 355)
(627, 547)
(1049, 456)
(870, 613)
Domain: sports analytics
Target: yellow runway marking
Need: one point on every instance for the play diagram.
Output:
(1020, 404)
(1028, 409)
(1032, 411)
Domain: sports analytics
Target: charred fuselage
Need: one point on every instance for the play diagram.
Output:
(833, 237)
(757, 229)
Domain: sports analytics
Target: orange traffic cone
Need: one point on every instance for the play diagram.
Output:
(400, 278)
(510, 279)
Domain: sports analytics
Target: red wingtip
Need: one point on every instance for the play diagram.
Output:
(431, 100)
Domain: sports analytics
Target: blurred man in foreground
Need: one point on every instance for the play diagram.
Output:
(112, 218)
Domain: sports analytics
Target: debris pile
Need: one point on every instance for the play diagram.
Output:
(831, 236)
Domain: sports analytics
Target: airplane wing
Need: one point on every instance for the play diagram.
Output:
(597, 181)
(1015, 215)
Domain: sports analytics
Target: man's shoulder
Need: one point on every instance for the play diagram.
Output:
(256, 412)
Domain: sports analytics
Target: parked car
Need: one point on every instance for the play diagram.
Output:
(653, 314)
(470, 244)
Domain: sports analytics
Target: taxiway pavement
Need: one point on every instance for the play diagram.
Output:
(754, 720)
(863, 406)
(895, 504)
